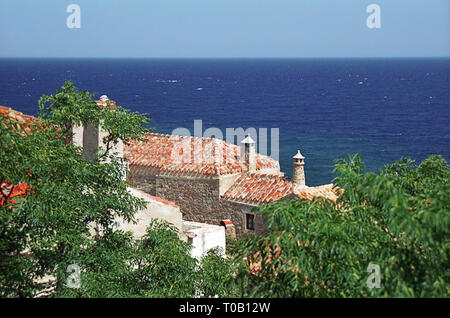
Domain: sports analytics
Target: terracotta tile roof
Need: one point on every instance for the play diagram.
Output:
(219, 157)
(208, 156)
(112, 104)
(8, 192)
(14, 114)
(22, 118)
(226, 223)
(17, 120)
(326, 191)
(259, 188)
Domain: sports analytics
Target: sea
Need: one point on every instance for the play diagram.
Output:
(384, 108)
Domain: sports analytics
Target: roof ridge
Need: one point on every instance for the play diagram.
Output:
(204, 155)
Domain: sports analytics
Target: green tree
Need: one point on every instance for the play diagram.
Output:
(50, 197)
(397, 219)
(157, 266)
(49, 226)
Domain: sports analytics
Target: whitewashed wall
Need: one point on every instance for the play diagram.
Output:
(206, 237)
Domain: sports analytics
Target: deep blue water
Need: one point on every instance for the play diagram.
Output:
(381, 108)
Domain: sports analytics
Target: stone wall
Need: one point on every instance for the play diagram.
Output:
(196, 195)
(199, 200)
(143, 178)
(236, 212)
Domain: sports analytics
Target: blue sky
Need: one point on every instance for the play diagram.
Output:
(224, 28)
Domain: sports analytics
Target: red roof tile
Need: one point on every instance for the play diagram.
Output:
(22, 118)
(326, 191)
(226, 223)
(14, 114)
(8, 192)
(259, 188)
(112, 104)
(19, 120)
(208, 156)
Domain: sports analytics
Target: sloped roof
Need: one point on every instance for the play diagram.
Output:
(106, 102)
(326, 191)
(259, 188)
(19, 120)
(207, 156)
(22, 118)
(14, 114)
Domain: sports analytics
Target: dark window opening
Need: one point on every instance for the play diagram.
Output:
(250, 220)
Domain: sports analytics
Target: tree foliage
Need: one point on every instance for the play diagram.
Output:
(397, 219)
(50, 226)
(69, 107)
(51, 197)
(159, 265)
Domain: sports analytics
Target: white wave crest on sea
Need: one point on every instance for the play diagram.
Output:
(167, 81)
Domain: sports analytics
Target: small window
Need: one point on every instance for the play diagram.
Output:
(250, 220)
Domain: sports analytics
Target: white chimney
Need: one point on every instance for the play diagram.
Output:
(299, 169)
(248, 154)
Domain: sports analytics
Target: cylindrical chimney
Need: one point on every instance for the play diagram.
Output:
(299, 169)
(248, 154)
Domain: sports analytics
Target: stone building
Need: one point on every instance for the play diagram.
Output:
(213, 181)
(158, 207)
(210, 181)
(201, 236)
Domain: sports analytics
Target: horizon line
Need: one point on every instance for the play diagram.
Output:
(223, 57)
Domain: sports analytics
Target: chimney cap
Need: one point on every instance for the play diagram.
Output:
(104, 98)
(248, 140)
(298, 155)
(226, 223)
